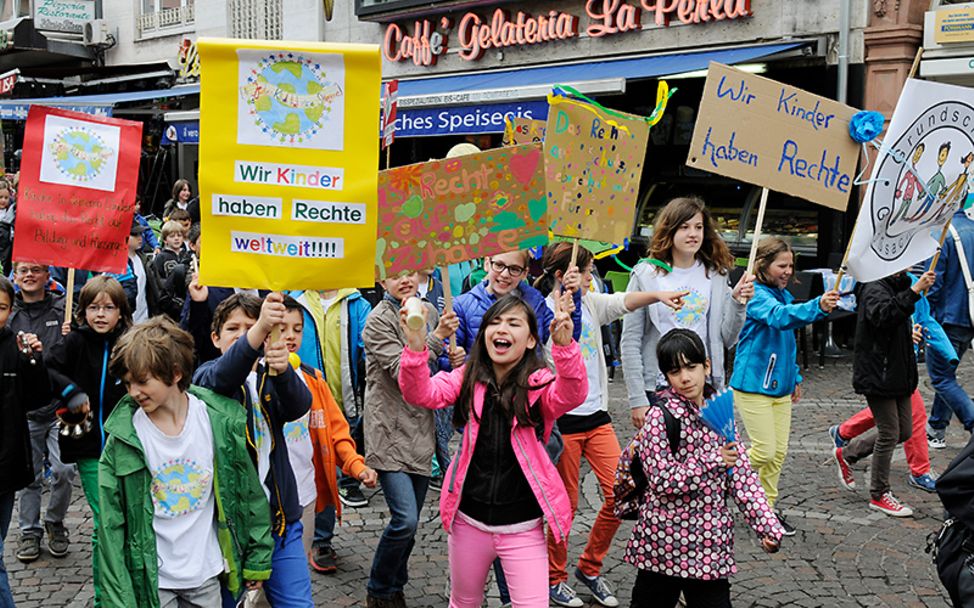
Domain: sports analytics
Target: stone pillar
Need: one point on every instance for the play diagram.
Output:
(894, 34)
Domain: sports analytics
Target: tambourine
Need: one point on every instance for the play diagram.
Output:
(74, 425)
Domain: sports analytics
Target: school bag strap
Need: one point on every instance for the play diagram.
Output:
(672, 422)
(965, 269)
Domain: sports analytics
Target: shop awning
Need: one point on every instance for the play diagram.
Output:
(101, 105)
(526, 83)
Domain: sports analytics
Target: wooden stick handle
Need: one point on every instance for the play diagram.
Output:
(275, 337)
(757, 230)
(448, 298)
(574, 253)
(916, 63)
(69, 296)
(940, 247)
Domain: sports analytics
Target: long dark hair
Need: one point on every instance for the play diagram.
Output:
(713, 250)
(512, 393)
(558, 256)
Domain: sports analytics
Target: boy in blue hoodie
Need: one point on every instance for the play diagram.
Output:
(273, 395)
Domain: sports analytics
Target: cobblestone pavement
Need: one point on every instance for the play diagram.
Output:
(843, 555)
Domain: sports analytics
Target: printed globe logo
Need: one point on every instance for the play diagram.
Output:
(289, 97)
(80, 154)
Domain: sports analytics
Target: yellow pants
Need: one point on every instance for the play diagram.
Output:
(768, 424)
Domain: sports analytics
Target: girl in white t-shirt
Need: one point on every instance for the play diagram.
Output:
(685, 254)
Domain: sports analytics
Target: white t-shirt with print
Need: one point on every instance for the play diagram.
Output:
(588, 342)
(141, 299)
(261, 439)
(696, 304)
(182, 497)
(300, 452)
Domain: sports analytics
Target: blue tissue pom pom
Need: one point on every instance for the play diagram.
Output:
(865, 126)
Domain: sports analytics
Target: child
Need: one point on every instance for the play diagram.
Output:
(320, 440)
(172, 254)
(181, 193)
(502, 483)
(176, 481)
(8, 211)
(82, 380)
(697, 260)
(25, 387)
(587, 430)
(241, 326)
(683, 541)
(399, 439)
(766, 377)
(149, 240)
(183, 218)
(885, 371)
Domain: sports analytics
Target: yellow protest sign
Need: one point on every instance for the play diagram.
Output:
(288, 158)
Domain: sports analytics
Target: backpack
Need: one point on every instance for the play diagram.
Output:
(952, 550)
(630, 478)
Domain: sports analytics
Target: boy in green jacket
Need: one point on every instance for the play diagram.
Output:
(179, 453)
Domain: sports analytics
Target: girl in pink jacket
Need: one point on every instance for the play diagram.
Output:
(502, 484)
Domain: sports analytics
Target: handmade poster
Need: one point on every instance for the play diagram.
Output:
(593, 163)
(287, 179)
(920, 177)
(523, 131)
(78, 180)
(764, 132)
(446, 211)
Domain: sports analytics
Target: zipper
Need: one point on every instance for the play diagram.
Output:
(453, 475)
(551, 509)
(101, 396)
(772, 360)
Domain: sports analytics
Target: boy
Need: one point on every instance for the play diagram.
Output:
(320, 440)
(173, 235)
(175, 482)
(272, 394)
(39, 310)
(182, 217)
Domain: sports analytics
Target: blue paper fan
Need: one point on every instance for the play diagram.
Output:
(718, 414)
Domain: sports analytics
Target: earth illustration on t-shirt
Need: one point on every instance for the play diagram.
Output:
(179, 487)
(79, 154)
(694, 308)
(289, 97)
(296, 431)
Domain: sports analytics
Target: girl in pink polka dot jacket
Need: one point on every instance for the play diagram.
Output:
(683, 540)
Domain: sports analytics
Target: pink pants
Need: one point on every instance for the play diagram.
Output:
(916, 448)
(524, 557)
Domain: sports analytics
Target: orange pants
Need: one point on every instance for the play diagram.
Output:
(600, 447)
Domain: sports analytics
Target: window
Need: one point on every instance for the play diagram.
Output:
(13, 9)
(161, 15)
(256, 19)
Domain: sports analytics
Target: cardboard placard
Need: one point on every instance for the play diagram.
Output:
(77, 190)
(523, 131)
(447, 211)
(593, 164)
(287, 175)
(774, 135)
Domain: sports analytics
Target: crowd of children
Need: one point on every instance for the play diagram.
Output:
(217, 432)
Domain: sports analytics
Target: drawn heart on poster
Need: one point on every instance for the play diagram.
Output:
(524, 166)
(537, 207)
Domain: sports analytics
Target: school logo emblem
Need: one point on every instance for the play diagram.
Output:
(80, 155)
(291, 98)
(923, 178)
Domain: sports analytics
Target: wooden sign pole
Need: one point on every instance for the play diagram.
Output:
(447, 298)
(69, 296)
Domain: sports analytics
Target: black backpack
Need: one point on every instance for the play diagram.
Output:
(952, 547)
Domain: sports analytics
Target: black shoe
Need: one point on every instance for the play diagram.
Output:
(436, 483)
(29, 548)
(352, 497)
(789, 529)
(324, 559)
(57, 539)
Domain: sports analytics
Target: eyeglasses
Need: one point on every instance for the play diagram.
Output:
(25, 270)
(514, 271)
(107, 309)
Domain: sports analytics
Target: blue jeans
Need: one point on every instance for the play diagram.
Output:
(324, 527)
(6, 512)
(404, 493)
(951, 396)
(290, 583)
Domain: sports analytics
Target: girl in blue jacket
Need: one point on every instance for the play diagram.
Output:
(766, 380)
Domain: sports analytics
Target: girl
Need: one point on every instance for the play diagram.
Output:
(683, 540)
(502, 482)
(8, 212)
(81, 379)
(587, 430)
(181, 193)
(696, 260)
(766, 377)
(24, 385)
(885, 371)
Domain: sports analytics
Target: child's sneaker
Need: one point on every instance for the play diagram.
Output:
(836, 437)
(888, 504)
(352, 497)
(563, 595)
(787, 527)
(846, 478)
(599, 588)
(926, 482)
(936, 438)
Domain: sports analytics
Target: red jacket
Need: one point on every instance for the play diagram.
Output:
(332, 441)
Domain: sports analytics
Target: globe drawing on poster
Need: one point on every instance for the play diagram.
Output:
(78, 153)
(291, 99)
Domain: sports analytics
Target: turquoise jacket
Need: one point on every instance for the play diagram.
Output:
(766, 359)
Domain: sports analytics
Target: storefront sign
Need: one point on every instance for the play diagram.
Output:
(774, 135)
(63, 15)
(954, 25)
(476, 34)
(465, 120)
(8, 81)
(189, 60)
(184, 132)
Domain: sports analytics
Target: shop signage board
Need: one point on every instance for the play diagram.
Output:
(77, 189)
(183, 132)
(465, 120)
(523, 131)
(446, 211)
(63, 15)
(920, 178)
(287, 173)
(954, 24)
(8, 80)
(593, 164)
(764, 132)
(477, 34)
